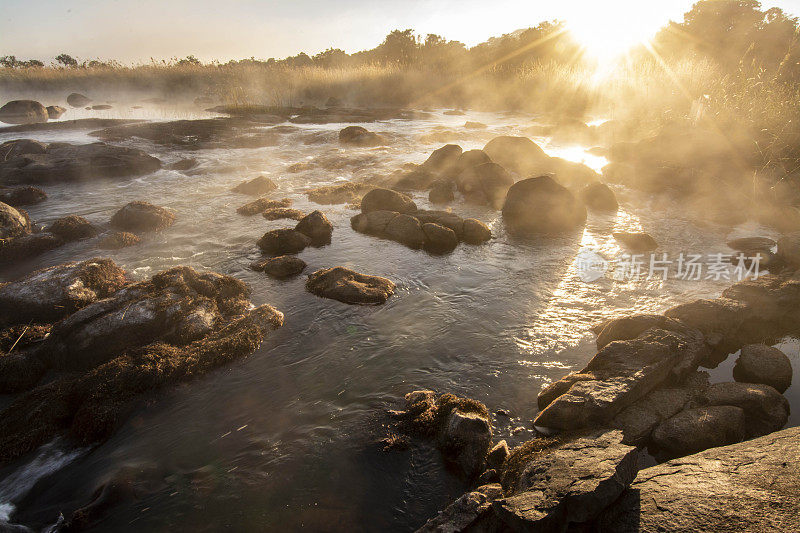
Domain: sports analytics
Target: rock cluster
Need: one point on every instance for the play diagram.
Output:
(313, 229)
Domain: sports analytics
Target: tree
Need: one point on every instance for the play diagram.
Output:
(8, 61)
(67, 60)
(399, 47)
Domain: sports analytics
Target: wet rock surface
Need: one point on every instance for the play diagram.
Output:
(695, 430)
(140, 217)
(540, 205)
(345, 193)
(360, 136)
(470, 512)
(751, 486)
(22, 196)
(278, 213)
(72, 228)
(283, 241)
(387, 200)
(316, 227)
(62, 162)
(350, 287)
(262, 205)
(256, 186)
(281, 267)
(118, 239)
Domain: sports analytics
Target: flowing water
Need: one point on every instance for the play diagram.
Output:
(288, 437)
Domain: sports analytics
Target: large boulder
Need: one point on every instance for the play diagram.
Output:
(78, 100)
(256, 186)
(759, 363)
(698, 429)
(50, 294)
(485, 184)
(62, 162)
(518, 154)
(406, 230)
(138, 217)
(442, 159)
(13, 222)
(283, 241)
(439, 239)
(765, 409)
(540, 205)
(387, 200)
(316, 227)
(572, 484)
(23, 112)
(751, 486)
(350, 287)
(621, 373)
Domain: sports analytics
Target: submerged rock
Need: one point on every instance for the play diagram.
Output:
(256, 186)
(23, 112)
(540, 205)
(262, 205)
(138, 217)
(359, 136)
(281, 267)
(751, 486)
(349, 287)
(63, 162)
(19, 196)
(636, 242)
(118, 240)
(316, 227)
(277, 213)
(50, 294)
(72, 228)
(283, 241)
(759, 363)
(387, 200)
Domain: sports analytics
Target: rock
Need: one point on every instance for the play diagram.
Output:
(765, 409)
(78, 100)
(19, 147)
(485, 184)
(27, 246)
(63, 162)
(373, 223)
(599, 197)
(465, 440)
(118, 240)
(23, 112)
(695, 430)
(441, 192)
(443, 218)
(467, 160)
(751, 486)
(256, 186)
(518, 154)
(475, 125)
(333, 102)
(316, 227)
(99, 107)
(475, 232)
(572, 484)
(497, 455)
(621, 373)
(454, 113)
(19, 196)
(72, 228)
(262, 205)
(540, 205)
(350, 287)
(406, 230)
(281, 267)
(442, 158)
(750, 244)
(359, 136)
(636, 242)
(173, 328)
(277, 213)
(54, 112)
(344, 193)
(467, 513)
(789, 249)
(417, 179)
(50, 294)
(138, 217)
(759, 363)
(183, 164)
(283, 241)
(630, 327)
(387, 200)
(438, 239)
(13, 223)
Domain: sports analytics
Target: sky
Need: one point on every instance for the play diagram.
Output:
(134, 31)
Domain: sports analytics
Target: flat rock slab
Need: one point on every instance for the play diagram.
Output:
(350, 287)
(572, 484)
(750, 486)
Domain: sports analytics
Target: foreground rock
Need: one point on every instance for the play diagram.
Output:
(751, 486)
(138, 217)
(572, 484)
(765, 409)
(62, 162)
(256, 186)
(50, 294)
(173, 328)
(23, 112)
(281, 267)
(759, 363)
(350, 287)
(540, 205)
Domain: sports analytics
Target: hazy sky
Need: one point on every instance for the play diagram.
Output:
(134, 31)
